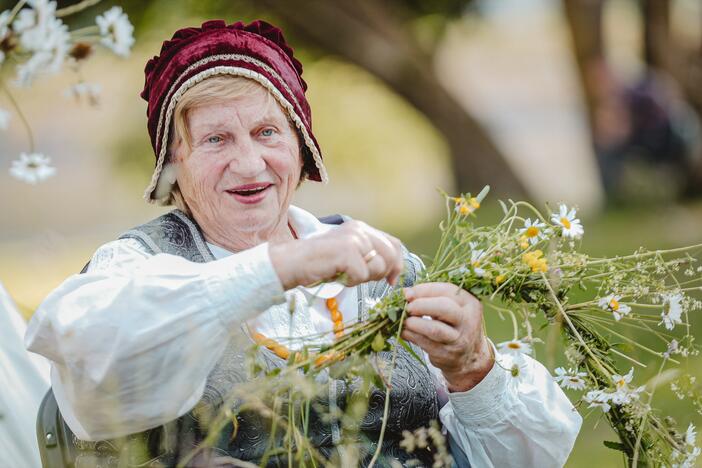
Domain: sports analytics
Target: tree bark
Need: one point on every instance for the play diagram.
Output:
(656, 32)
(371, 35)
(584, 18)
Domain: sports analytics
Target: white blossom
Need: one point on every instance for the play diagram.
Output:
(623, 394)
(687, 458)
(32, 168)
(116, 31)
(43, 35)
(533, 231)
(691, 435)
(514, 348)
(612, 304)
(598, 399)
(570, 379)
(672, 311)
(570, 225)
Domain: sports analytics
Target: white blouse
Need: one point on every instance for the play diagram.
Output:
(133, 340)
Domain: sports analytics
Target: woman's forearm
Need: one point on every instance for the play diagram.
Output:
(133, 340)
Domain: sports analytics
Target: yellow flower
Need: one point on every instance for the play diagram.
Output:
(523, 242)
(535, 262)
(500, 279)
(466, 206)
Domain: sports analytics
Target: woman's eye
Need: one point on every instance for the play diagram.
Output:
(266, 132)
(214, 139)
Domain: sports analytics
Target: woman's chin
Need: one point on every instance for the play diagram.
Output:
(253, 218)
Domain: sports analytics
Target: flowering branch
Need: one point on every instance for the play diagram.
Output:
(39, 43)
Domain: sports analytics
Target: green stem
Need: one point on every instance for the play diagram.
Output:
(387, 393)
(80, 6)
(572, 327)
(16, 10)
(22, 117)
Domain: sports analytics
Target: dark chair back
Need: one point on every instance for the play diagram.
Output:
(54, 437)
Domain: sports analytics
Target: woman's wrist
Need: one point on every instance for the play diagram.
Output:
(284, 258)
(474, 371)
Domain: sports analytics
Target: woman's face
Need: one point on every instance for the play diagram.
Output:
(243, 168)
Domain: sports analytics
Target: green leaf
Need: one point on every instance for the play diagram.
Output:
(614, 445)
(392, 313)
(378, 343)
(412, 353)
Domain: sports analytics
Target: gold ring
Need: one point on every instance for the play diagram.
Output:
(369, 256)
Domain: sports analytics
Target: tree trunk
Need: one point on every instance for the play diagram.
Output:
(584, 18)
(371, 35)
(656, 32)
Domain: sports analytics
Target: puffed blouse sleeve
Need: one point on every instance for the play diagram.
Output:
(133, 339)
(506, 421)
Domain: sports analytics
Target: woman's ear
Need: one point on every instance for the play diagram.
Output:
(166, 180)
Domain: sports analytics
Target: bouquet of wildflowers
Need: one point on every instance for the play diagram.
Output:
(36, 42)
(527, 267)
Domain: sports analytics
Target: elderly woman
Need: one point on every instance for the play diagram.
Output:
(157, 324)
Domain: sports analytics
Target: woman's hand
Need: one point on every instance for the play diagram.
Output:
(454, 338)
(360, 252)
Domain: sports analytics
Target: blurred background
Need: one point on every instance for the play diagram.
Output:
(595, 103)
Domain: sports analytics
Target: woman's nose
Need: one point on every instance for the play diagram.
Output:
(247, 160)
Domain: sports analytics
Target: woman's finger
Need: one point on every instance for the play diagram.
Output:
(377, 268)
(442, 308)
(428, 345)
(356, 269)
(391, 255)
(461, 296)
(432, 329)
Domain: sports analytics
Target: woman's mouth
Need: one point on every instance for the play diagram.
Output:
(250, 193)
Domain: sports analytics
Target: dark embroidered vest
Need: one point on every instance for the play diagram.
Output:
(413, 398)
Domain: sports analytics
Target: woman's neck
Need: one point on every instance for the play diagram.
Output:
(236, 241)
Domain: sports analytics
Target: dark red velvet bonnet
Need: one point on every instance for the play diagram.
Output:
(257, 51)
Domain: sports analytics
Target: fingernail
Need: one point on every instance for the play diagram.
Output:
(409, 294)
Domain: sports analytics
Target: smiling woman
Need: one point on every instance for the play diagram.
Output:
(153, 336)
(237, 161)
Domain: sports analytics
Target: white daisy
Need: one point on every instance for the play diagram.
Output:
(32, 168)
(570, 225)
(116, 31)
(623, 394)
(570, 379)
(533, 231)
(672, 310)
(38, 16)
(598, 399)
(612, 304)
(45, 36)
(626, 395)
(517, 370)
(476, 257)
(514, 348)
(622, 381)
(691, 435)
(4, 119)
